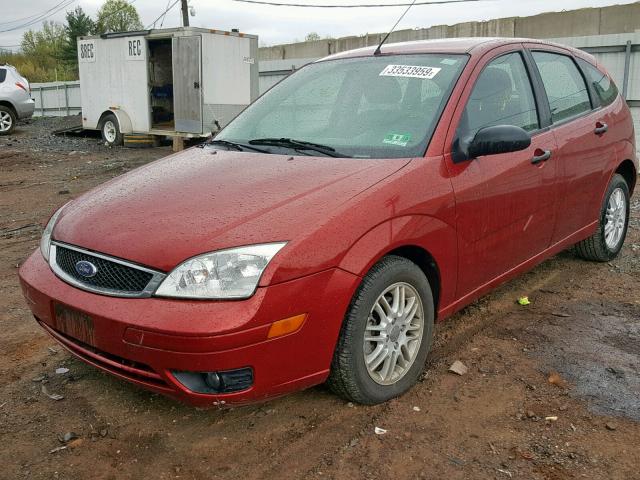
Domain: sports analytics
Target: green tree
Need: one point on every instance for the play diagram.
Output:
(312, 36)
(42, 53)
(78, 24)
(118, 16)
(45, 42)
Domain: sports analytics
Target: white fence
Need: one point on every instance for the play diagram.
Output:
(56, 99)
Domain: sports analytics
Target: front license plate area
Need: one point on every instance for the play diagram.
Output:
(74, 323)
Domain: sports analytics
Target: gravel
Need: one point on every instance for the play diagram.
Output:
(36, 135)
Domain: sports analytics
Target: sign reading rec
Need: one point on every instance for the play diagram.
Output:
(135, 49)
(411, 71)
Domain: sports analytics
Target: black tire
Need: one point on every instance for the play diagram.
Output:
(349, 377)
(118, 138)
(595, 247)
(4, 111)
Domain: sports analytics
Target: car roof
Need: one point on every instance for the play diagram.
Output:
(467, 45)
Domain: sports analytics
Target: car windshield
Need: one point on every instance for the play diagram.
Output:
(370, 107)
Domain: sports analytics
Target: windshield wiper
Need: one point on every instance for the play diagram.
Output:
(298, 145)
(237, 146)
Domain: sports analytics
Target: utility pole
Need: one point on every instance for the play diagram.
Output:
(185, 13)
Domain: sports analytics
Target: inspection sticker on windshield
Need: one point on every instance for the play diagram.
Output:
(398, 139)
(411, 71)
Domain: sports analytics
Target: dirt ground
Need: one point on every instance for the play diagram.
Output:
(552, 391)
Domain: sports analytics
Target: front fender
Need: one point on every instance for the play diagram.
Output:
(429, 233)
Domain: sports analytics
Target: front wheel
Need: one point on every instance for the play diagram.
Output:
(607, 241)
(386, 334)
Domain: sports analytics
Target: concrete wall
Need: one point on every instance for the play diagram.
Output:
(602, 32)
(573, 23)
(272, 71)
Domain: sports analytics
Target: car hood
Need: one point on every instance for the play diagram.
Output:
(203, 200)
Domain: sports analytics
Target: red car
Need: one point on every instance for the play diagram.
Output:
(322, 233)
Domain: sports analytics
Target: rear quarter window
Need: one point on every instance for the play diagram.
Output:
(601, 82)
(563, 82)
(3, 75)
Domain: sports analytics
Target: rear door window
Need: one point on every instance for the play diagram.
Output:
(602, 84)
(3, 75)
(565, 87)
(502, 95)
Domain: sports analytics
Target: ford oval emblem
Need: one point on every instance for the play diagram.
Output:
(86, 269)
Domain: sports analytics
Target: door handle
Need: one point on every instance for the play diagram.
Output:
(540, 156)
(196, 85)
(601, 127)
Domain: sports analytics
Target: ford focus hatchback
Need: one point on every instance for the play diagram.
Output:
(322, 233)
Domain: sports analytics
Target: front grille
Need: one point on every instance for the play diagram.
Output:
(111, 277)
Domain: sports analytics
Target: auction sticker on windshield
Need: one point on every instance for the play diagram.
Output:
(397, 139)
(411, 71)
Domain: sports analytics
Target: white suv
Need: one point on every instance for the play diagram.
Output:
(15, 99)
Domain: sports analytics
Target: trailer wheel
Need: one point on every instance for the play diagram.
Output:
(110, 130)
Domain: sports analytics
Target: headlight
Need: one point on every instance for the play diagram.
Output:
(232, 273)
(45, 241)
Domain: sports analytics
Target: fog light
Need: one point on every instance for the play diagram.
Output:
(212, 379)
(228, 381)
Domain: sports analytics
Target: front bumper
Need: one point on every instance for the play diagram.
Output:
(143, 340)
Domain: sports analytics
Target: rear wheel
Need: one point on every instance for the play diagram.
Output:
(607, 241)
(110, 130)
(7, 120)
(386, 334)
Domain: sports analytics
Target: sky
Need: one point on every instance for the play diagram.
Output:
(276, 25)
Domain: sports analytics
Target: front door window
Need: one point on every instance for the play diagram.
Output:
(502, 95)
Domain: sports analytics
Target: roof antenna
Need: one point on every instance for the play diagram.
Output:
(377, 51)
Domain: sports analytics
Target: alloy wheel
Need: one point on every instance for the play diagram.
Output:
(393, 333)
(6, 122)
(615, 218)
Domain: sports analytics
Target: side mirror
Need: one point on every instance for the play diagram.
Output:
(492, 141)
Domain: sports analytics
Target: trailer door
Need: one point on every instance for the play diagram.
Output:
(187, 80)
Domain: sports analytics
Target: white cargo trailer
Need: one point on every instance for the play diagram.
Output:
(184, 82)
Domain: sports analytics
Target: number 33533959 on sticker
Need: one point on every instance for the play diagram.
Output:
(413, 71)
